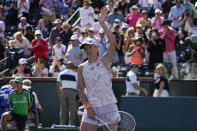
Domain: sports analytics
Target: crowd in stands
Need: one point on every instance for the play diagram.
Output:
(147, 32)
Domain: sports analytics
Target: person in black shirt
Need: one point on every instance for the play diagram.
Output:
(155, 47)
(166, 7)
(161, 84)
(2, 56)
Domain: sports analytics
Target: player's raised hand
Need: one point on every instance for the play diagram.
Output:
(103, 14)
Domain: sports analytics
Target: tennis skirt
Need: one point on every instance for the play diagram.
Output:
(108, 114)
(163, 94)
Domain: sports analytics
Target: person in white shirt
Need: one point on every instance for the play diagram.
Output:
(59, 50)
(145, 4)
(22, 41)
(23, 23)
(86, 14)
(57, 67)
(67, 93)
(132, 82)
(23, 7)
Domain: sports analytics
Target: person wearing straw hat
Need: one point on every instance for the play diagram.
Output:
(21, 102)
(55, 31)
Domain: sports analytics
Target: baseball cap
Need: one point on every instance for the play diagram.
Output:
(91, 29)
(18, 79)
(57, 21)
(88, 41)
(22, 61)
(125, 26)
(132, 65)
(74, 37)
(158, 11)
(38, 32)
(101, 31)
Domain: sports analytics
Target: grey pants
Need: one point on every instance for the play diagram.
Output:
(68, 106)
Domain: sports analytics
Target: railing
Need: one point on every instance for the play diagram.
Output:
(76, 22)
(72, 16)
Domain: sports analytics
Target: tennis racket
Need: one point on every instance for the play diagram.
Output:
(104, 123)
(127, 122)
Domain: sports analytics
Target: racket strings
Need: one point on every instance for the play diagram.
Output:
(127, 122)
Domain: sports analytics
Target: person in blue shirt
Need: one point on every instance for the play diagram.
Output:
(114, 15)
(176, 13)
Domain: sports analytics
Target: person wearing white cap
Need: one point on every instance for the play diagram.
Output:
(39, 46)
(94, 83)
(74, 53)
(157, 20)
(21, 69)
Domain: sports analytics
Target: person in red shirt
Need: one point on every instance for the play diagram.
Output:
(39, 46)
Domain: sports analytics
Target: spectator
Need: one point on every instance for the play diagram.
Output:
(186, 23)
(86, 14)
(84, 34)
(70, 5)
(39, 69)
(2, 13)
(129, 38)
(39, 46)
(124, 28)
(23, 23)
(109, 6)
(48, 8)
(144, 20)
(168, 34)
(157, 4)
(55, 32)
(2, 28)
(21, 70)
(166, 7)
(103, 43)
(161, 84)
(57, 67)
(157, 20)
(114, 15)
(145, 4)
(42, 27)
(131, 3)
(175, 14)
(23, 8)
(155, 47)
(133, 17)
(138, 53)
(132, 82)
(97, 5)
(59, 50)
(36, 107)
(67, 93)
(66, 33)
(190, 7)
(74, 53)
(29, 34)
(20, 100)
(11, 12)
(122, 6)
(62, 9)
(22, 42)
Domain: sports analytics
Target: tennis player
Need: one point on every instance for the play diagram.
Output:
(95, 86)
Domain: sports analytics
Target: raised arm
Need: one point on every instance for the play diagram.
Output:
(108, 56)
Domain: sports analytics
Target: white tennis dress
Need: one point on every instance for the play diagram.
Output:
(99, 93)
(98, 84)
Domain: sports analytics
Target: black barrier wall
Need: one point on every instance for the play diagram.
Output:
(47, 94)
